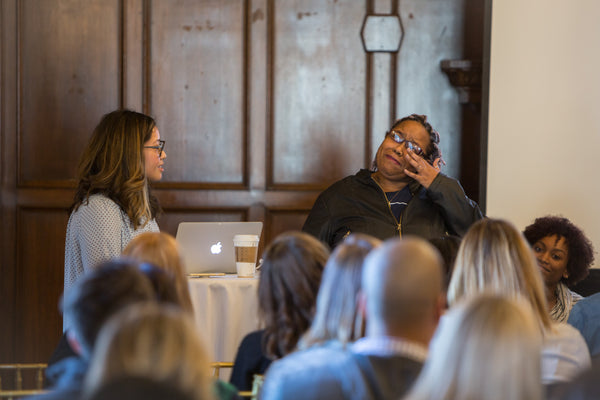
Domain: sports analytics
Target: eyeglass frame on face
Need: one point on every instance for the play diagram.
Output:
(160, 147)
(409, 144)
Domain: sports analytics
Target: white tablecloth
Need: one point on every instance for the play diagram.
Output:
(226, 309)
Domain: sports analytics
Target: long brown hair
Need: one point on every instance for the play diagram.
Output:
(287, 291)
(113, 165)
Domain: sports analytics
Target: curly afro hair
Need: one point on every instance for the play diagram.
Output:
(581, 251)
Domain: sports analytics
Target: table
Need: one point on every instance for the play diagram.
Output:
(226, 309)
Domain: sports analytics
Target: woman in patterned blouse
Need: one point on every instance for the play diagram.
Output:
(113, 203)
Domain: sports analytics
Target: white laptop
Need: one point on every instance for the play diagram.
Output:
(207, 247)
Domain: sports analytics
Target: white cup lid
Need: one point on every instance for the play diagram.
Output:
(246, 238)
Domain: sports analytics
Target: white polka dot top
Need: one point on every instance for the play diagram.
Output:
(98, 231)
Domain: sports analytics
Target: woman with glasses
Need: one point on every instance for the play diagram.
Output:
(404, 192)
(113, 202)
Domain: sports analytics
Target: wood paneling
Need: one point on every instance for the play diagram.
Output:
(197, 90)
(282, 220)
(318, 72)
(41, 238)
(69, 75)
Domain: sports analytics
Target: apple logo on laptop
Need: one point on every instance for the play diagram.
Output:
(216, 248)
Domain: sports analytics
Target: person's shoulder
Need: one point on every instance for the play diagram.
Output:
(312, 360)
(253, 337)
(566, 339)
(97, 205)
(586, 311)
(100, 200)
(362, 177)
(589, 301)
(564, 330)
(316, 372)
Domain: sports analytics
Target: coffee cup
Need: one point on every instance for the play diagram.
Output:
(246, 251)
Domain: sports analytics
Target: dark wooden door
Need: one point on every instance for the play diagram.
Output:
(262, 104)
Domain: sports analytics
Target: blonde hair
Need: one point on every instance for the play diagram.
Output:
(487, 348)
(337, 315)
(161, 250)
(154, 341)
(494, 256)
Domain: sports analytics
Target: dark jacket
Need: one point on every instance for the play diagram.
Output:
(249, 360)
(358, 204)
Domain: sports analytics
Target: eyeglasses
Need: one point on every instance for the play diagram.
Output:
(160, 147)
(398, 138)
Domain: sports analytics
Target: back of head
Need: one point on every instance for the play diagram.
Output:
(155, 341)
(494, 257)
(337, 316)
(100, 294)
(402, 283)
(289, 281)
(161, 249)
(487, 348)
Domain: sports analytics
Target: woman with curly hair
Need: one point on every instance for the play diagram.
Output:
(564, 255)
(113, 203)
(290, 277)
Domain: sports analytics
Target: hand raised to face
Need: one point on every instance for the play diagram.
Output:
(421, 170)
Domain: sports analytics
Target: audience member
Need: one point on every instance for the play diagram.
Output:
(153, 341)
(564, 255)
(289, 281)
(161, 249)
(485, 349)
(337, 317)
(91, 301)
(402, 301)
(585, 316)
(494, 257)
(404, 194)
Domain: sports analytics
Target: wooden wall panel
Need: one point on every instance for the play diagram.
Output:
(69, 75)
(433, 31)
(198, 90)
(40, 255)
(282, 220)
(318, 92)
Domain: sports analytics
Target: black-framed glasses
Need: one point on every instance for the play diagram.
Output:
(160, 147)
(399, 138)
